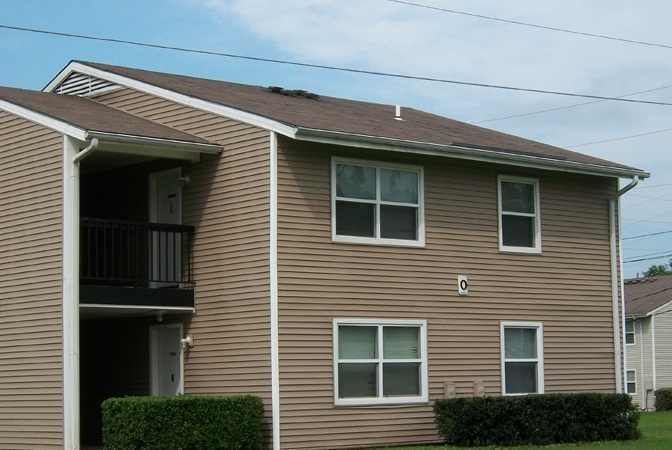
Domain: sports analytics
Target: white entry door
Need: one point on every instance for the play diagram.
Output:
(166, 360)
(166, 207)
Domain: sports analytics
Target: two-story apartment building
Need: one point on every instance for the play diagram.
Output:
(349, 262)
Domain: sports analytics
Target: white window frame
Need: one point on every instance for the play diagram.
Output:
(536, 248)
(379, 399)
(628, 382)
(377, 240)
(539, 327)
(632, 333)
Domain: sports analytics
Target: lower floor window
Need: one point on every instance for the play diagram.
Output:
(380, 361)
(631, 381)
(522, 358)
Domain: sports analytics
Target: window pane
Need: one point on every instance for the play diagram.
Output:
(629, 338)
(357, 380)
(398, 222)
(398, 186)
(517, 197)
(517, 231)
(520, 343)
(355, 219)
(521, 377)
(630, 375)
(631, 388)
(401, 379)
(629, 326)
(401, 343)
(357, 342)
(355, 181)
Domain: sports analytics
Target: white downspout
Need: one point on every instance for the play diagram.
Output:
(273, 260)
(71, 393)
(616, 264)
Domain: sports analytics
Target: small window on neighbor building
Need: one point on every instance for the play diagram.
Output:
(631, 382)
(519, 221)
(629, 332)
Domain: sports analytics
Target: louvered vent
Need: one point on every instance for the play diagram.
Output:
(84, 85)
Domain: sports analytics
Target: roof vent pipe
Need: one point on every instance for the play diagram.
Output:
(397, 114)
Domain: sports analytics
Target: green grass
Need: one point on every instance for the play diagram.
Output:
(656, 435)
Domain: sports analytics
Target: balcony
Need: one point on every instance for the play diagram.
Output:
(131, 264)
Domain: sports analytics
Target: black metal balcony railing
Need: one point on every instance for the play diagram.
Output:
(137, 254)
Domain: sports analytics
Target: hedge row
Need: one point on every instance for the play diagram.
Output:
(183, 422)
(536, 419)
(663, 399)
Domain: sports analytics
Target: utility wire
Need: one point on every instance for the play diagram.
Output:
(618, 138)
(647, 259)
(646, 235)
(515, 22)
(335, 68)
(567, 107)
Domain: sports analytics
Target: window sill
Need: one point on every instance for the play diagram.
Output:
(520, 250)
(372, 241)
(388, 401)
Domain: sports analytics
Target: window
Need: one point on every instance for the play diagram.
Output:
(522, 358)
(631, 381)
(629, 332)
(519, 221)
(377, 204)
(380, 362)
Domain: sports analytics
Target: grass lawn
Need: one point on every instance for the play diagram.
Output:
(656, 435)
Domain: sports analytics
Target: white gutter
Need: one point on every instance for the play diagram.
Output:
(616, 264)
(273, 260)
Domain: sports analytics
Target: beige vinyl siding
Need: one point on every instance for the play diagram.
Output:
(567, 288)
(228, 202)
(31, 383)
(640, 359)
(663, 325)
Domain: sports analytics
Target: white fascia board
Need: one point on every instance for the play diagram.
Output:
(659, 309)
(44, 120)
(471, 154)
(204, 105)
(166, 144)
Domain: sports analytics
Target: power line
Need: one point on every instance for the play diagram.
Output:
(335, 68)
(568, 106)
(646, 235)
(647, 259)
(515, 22)
(619, 138)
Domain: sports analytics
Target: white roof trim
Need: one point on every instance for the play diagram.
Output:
(215, 108)
(44, 120)
(472, 154)
(657, 310)
(194, 147)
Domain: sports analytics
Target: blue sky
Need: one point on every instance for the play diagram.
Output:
(390, 36)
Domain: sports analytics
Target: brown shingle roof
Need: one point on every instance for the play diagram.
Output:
(643, 295)
(352, 117)
(92, 116)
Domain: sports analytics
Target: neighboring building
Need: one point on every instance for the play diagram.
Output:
(648, 337)
(349, 262)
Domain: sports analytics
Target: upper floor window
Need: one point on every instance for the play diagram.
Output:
(522, 358)
(629, 331)
(519, 221)
(377, 203)
(631, 381)
(380, 361)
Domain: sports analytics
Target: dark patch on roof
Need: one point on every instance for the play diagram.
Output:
(643, 295)
(351, 117)
(92, 116)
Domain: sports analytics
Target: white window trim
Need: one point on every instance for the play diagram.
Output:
(537, 215)
(380, 400)
(626, 332)
(628, 382)
(420, 242)
(540, 353)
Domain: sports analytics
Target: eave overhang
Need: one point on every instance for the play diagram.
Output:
(470, 153)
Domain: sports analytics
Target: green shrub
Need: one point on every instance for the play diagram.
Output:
(536, 419)
(663, 399)
(183, 422)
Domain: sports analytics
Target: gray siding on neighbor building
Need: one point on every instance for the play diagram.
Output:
(31, 179)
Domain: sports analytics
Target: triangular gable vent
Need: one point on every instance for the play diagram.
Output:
(84, 85)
